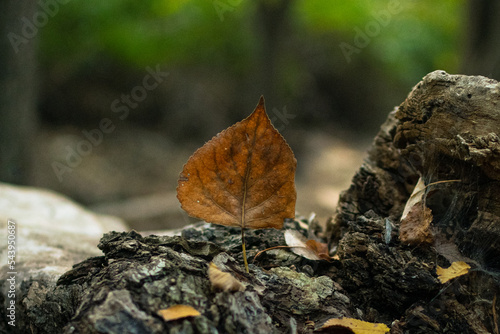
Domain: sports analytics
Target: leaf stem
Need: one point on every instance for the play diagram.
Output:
(244, 250)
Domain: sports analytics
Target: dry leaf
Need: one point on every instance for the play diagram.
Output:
(416, 219)
(243, 177)
(320, 249)
(415, 197)
(415, 229)
(356, 326)
(310, 249)
(178, 312)
(456, 269)
(223, 281)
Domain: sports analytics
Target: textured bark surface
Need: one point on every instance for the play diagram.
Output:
(122, 291)
(446, 130)
(445, 133)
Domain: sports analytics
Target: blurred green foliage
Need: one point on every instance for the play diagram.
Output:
(424, 35)
(228, 52)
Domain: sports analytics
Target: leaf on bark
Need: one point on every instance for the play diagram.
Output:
(310, 249)
(223, 281)
(457, 268)
(243, 177)
(415, 228)
(178, 312)
(348, 325)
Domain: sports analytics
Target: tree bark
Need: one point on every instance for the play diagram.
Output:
(446, 132)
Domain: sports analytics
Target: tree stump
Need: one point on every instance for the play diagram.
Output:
(446, 133)
(444, 136)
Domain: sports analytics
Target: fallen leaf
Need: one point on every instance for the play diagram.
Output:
(178, 312)
(320, 249)
(310, 249)
(294, 238)
(415, 223)
(415, 227)
(355, 326)
(223, 281)
(243, 177)
(456, 269)
(415, 197)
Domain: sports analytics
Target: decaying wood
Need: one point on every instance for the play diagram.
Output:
(445, 133)
(447, 129)
(122, 291)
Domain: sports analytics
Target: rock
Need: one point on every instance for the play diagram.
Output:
(51, 234)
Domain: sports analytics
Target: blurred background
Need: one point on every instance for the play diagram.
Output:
(104, 101)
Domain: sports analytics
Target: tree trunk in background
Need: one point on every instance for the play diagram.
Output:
(482, 53)
(272, 26)
(18, 89)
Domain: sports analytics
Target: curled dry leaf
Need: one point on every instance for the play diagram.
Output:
(243, 177)
(178, 312)
(415, 229)
(310, 249)
(355, 326)
(456, 269)
(223, 281)
(415, 197)
(416, 219)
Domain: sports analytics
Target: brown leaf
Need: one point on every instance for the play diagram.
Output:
(223, 281)
(320, 249)
(416, 219)
(416, 197)
(178, 312)
(310, 249)
(415, 229)
(242, 177)
(348, 325)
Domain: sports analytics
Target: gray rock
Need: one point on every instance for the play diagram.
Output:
(51, 234)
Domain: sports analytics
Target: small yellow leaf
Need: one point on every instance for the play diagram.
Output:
(178, 312)
(223, 281)
(457, 268)
(356, 326)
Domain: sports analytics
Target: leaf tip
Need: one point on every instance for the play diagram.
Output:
(261, 101)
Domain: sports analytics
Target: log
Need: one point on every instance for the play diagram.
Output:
(443, 137)
(123, 291)
(445, 133)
